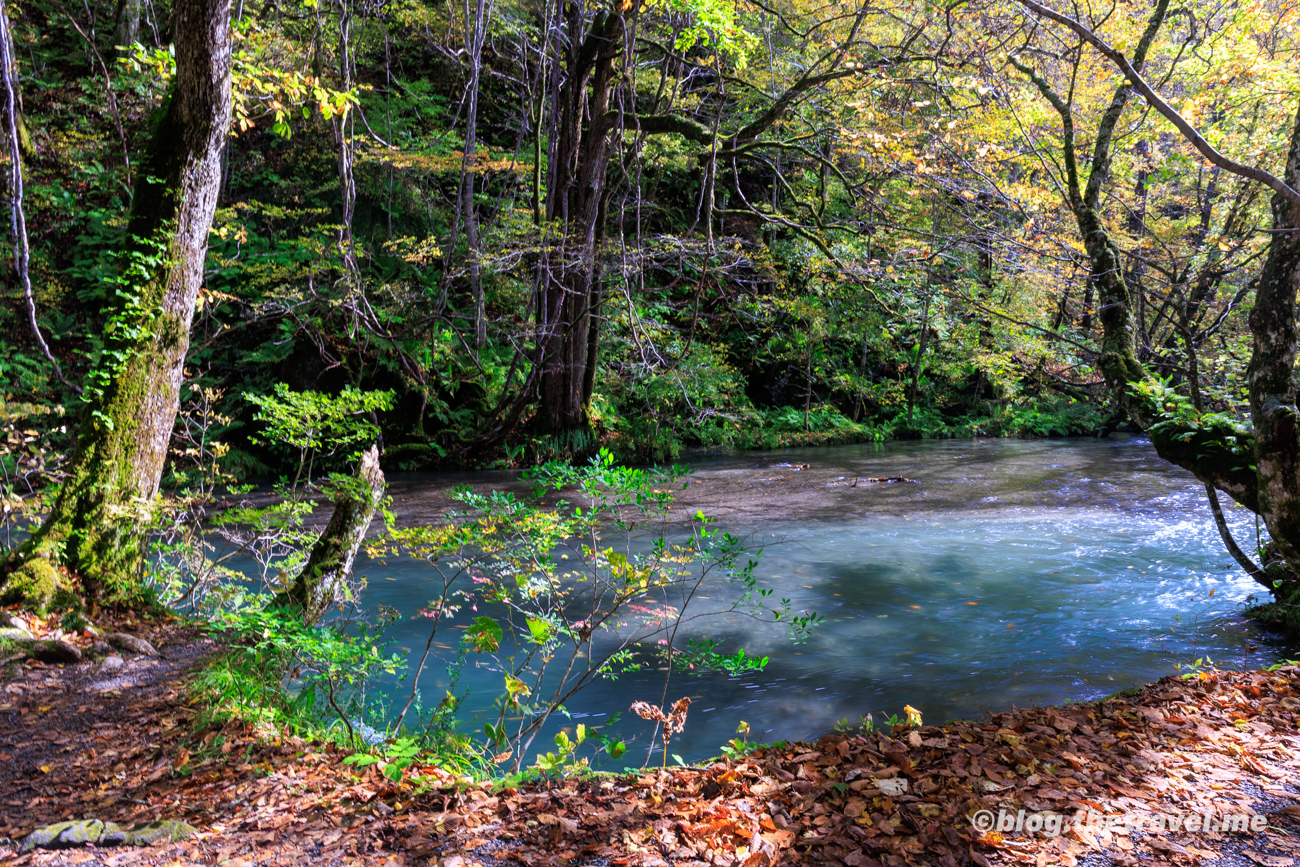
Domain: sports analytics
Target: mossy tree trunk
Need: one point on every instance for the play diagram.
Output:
(1258, 468)
(324, 580)
(94, 532)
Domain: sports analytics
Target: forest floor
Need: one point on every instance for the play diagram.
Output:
(127, 748)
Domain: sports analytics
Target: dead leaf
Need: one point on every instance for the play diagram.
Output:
(1269, 860)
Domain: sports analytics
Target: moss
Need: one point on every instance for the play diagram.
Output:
(36, 583)
(1283, 613)
(1129, 692)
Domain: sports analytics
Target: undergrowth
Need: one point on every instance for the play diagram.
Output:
(633, 439)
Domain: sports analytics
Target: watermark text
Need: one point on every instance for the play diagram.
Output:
(1050, 824)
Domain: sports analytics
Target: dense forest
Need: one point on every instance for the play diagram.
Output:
(267, 254)
(508, 233)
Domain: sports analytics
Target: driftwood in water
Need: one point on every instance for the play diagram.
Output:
(883, 480)
(324, 580)
(874, 480)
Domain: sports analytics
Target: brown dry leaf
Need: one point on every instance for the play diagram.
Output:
(1269, 860)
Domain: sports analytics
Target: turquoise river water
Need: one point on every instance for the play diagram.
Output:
(1013, 573)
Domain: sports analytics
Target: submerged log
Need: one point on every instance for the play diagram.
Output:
(324, 580)
(875, 480)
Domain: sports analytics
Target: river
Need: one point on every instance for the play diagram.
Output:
(1010, 573)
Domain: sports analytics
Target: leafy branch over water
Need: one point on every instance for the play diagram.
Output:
(590, 587)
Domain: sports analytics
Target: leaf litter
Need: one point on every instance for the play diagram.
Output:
(1218, 743)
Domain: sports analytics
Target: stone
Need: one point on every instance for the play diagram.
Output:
(66, 835)
(49, 649)
(130, 643)
(368, 735)
(109, 665)
(101, 648)
(14, 633)
(168, 830)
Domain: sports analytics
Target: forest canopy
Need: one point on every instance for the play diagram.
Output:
(522, 231)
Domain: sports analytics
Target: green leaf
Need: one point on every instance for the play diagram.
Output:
(484, 635)
(539, 630)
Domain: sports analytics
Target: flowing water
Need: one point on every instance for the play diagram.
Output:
(1011, 573)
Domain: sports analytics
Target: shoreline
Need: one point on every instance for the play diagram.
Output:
(1226, 743)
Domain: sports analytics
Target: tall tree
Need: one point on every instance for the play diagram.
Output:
(569, 297)
(1215, 450)
(597, 104)
(92, 534)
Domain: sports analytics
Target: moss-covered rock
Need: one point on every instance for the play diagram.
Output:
(52, 650)
(166, 831)
(35, 583)
(66, 835)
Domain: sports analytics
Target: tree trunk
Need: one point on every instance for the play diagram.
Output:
(14, 104)
(17, 217)
(324, 580)
(127, 32)
(1270, 375)
(570, 286)
(475, 27)
(94, 531)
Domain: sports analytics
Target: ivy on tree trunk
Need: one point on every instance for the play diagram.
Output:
(94, 534)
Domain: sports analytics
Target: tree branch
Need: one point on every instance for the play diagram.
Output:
(1166, 110)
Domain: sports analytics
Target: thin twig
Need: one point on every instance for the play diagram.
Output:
(18, 221)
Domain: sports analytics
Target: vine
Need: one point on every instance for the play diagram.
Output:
(131, 322)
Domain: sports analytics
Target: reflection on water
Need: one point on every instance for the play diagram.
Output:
(1014, 573)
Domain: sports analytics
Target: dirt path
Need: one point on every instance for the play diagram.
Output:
(74, 745)
(125, 748)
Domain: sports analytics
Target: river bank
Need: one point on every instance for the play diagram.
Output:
(1215, 743)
